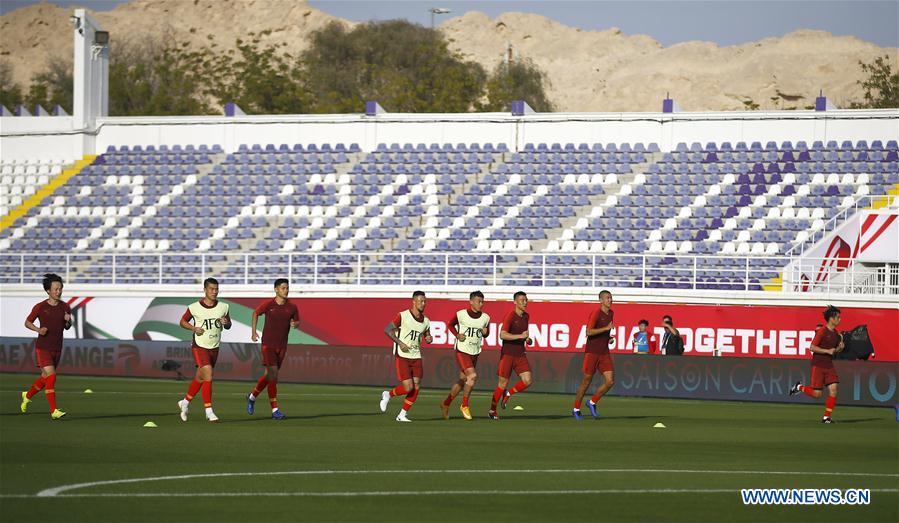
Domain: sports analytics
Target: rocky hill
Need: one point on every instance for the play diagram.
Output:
(589, 71)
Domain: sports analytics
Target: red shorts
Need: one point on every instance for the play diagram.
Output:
(508, 363)
(823, 376)
(406, 368)
(203, 357)
(597, 363)
(465, 360)
(273, 357)
(47, 358)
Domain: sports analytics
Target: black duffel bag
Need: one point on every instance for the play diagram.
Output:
(857, 344)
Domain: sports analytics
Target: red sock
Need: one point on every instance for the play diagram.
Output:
(399, 390)
(50, 391)
(260, 386)
(829, 404)
(497, 394)
(410, 399)
(464, 401)
(577, 404)
(808, 391)
(596, 397)
(193, 389)
(207, 393)
(520, 386)
(36, 387)
(449, 400)
(273, 394)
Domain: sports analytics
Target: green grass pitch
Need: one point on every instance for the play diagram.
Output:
(337, 457)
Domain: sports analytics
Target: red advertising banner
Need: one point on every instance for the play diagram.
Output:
(737, 331)
(741, 379)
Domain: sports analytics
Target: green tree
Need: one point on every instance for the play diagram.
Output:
(10, 91)
(517, 80)
(881, 87)
(260, 79)
(150, 77)
(404, 66)
(51, 87)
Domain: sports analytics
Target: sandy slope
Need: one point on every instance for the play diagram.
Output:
(589, 70)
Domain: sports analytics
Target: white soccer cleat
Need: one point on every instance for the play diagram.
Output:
(210, 416)
(183, 405)
(402, 417)
(385, 399)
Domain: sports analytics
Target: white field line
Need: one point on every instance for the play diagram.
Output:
(377, 493)
(177, 392)
(56, 491)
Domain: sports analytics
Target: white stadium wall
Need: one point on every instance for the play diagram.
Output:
(41, 136)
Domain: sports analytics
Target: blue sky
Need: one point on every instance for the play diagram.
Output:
(725, 22)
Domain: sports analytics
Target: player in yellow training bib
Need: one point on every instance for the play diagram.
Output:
(407, 330)
(470, 326)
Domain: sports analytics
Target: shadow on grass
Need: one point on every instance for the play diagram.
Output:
(157, 415)
(289, 417)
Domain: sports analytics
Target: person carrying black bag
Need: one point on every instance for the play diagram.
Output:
(672, 343)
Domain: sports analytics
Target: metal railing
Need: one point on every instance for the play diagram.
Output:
(570, 269)
(841, 275)
(861, 203)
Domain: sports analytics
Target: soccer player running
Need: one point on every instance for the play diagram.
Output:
(469, 326)
(54, 317)
(407, 330)
(514, 334)
(596, 355)
(826, 343)
(280, 315)
(209, 317)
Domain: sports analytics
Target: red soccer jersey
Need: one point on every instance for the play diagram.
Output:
(825, 339)
(599, 344)
(514, 324)
(277, 322)
(52, 317)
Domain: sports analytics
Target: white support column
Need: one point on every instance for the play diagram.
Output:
(91, 72)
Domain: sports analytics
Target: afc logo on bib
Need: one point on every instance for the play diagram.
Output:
(473, 332)
(209, 323)
(413, 336)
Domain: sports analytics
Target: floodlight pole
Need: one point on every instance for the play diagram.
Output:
(437, 11)
(90, 71)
